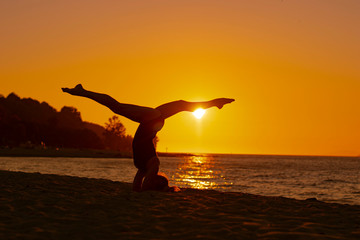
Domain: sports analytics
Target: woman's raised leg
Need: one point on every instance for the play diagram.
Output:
(133, 112)
(171, 108)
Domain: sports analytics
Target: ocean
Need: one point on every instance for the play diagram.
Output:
(329, 179)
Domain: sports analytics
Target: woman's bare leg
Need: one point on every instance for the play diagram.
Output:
(133, 112)
(171, 108)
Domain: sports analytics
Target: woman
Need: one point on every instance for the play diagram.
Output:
(151, 121)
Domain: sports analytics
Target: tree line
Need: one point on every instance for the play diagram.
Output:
(27, 122)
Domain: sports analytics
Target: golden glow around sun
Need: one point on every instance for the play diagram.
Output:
(199, 113)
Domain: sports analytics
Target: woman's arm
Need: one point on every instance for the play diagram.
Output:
(138, 179)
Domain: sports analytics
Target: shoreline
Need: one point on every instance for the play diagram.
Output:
(45, 206)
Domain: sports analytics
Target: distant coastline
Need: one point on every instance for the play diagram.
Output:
(102, 153)
(75, 152)
(62, 152)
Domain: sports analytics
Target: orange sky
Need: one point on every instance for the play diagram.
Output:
(292, 66)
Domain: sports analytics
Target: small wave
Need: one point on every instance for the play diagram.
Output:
(224, 186)
(336, 181)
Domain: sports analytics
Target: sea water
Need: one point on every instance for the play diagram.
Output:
(330, 179)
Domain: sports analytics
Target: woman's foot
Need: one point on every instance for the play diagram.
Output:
(78, 90)
(220, 102)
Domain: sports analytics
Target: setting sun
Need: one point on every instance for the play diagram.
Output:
(199, 113)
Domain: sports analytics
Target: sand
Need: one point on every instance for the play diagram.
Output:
(41, 206)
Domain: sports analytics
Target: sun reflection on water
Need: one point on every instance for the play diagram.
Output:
(200, 172)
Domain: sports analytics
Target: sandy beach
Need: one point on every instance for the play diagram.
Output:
(40, 206)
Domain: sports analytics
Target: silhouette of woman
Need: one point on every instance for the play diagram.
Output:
(151, 121)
